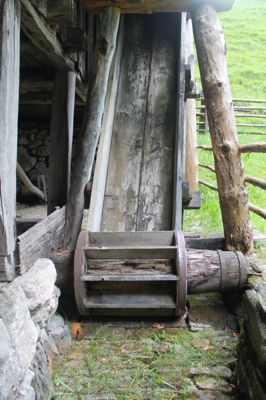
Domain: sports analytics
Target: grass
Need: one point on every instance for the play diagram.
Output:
(245, 34)
(117, 363)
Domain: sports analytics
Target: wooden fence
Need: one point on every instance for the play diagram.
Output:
(253, 110)
(250, 116)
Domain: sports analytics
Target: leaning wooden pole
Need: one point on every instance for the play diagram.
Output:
(234, 202)
(91, 127)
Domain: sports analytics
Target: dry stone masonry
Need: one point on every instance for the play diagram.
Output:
(31, 334)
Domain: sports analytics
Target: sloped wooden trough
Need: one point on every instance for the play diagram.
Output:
(132, 259)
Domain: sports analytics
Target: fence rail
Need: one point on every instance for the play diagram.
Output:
(250, 116)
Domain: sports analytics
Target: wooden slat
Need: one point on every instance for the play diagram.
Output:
(150, 6)
(111, 239)
(130, 278)
(194, 203)
(38, 241)
(131, 253)
(155, 198)
(180, 130)
(142, 301)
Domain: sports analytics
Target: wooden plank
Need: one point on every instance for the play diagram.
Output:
(91, 127)
(122, 186)
(194, 202)
(130, 278)
(131, 253)
(180, 129)
(129, 301)
(152, 6)
(9, 93)
(61, 135)
(191, 159)
(103, 153)
(155, 197)
(132, 267)
(38, 241)
(44, 37)
(111, 239)
(233, 196)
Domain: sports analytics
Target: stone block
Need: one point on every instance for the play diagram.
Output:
(5, 343)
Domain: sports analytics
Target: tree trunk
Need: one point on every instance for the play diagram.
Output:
(92, 122)
(233, 194)
(9, 92)
(61, 139)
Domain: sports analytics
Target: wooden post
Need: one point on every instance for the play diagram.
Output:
(233, 194)
(191, 168)
(9, 86)
(92, 122)
(61, 134)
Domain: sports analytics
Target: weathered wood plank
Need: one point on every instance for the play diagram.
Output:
(122, 186)
(156, 238)
(210, 44)
(150, 6)
(61, 134)
(61, 11)
(130, 278)
(103, 153)
(155, 201)
(38, 241)
(9, 92)
(191, 162)
(92, 123)
(131, 253)
(44, 37)
(180, 144)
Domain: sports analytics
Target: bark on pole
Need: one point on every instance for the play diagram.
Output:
(92, 122)
(234, 201)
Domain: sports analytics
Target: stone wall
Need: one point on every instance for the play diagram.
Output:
(31, 334)
(251, 365)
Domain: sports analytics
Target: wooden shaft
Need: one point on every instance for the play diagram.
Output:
(258, 210)
(91, 127)
(255, 181)
(234, 202)
(211, 271)
(253, 148)
(27, 182)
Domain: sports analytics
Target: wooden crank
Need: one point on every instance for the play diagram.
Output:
(148, 273)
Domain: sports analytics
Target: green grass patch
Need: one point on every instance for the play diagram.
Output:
(117, 363)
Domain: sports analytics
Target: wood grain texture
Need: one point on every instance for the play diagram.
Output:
(38, 241)
(152, 6)
(233, 196)
(9, 92)
(139, 188)
(61, 134)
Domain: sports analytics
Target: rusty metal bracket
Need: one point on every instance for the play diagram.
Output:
(181, 270)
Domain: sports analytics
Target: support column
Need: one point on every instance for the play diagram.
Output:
(9, 92)
(234, 202)
(61, 134)
(91, 127)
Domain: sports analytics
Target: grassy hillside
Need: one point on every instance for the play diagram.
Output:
(245, 33)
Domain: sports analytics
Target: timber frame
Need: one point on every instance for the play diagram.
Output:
(60, 65)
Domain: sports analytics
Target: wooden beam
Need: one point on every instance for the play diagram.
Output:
(258, 210)
(253, 147)
(44, 37)
(61, 134)
(9, 93)
(234, 202)
(92, 123)
(255, 181)
(152, 6)
(27, 182)
(180, 144)
(191, 162)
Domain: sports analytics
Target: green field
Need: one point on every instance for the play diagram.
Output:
(245, 33)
